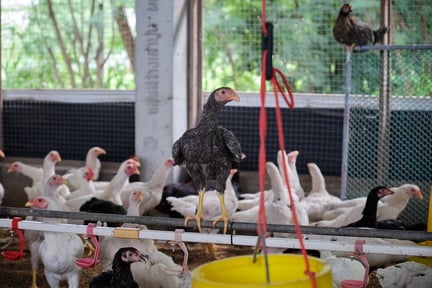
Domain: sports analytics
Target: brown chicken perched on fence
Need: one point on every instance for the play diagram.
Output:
(351, 31)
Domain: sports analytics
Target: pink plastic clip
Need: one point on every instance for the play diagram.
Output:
(358, 249)
(16, 255)
(90, 262)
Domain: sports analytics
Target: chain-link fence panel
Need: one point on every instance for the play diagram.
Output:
(390, 123)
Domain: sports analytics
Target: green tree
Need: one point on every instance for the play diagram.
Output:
(67, 44)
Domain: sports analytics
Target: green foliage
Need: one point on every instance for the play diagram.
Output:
(31, 54)
(304, 46)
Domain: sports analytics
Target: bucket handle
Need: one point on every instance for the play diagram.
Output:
(16, 255)
(90, 262)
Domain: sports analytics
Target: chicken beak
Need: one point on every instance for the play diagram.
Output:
(418, 194)
(28, 204)
(2, 155)
(234, 97)
(144, 257)
(387, 192)
(137, 172)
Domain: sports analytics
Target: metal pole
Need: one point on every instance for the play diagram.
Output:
(384, 101)
(345, 135)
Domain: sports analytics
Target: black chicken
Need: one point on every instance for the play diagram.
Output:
(369, 218)
(351, 31)
(95, 205)
(120, 276)
(207, 151)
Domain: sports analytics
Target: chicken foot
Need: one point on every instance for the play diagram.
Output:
(200, 211)
(224, 215)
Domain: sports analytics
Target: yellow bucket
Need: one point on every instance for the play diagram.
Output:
(285, 270)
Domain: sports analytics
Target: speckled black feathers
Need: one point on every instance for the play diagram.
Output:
(120, 276)
(207, 151)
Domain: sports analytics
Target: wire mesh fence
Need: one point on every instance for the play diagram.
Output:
(67, 44)
(391, 113)
(304, 50)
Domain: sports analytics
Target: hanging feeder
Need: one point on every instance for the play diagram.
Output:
(90, 262)
(16, 255)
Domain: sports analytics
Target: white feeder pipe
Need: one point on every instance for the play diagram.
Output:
(316, 242)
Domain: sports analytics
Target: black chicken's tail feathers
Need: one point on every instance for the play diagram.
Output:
(379, 35)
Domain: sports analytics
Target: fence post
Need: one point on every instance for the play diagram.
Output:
(345, 135)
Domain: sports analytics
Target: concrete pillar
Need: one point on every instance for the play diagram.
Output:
(161, 80)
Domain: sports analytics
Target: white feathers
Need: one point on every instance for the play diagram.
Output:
(405, 275)
(389, 207)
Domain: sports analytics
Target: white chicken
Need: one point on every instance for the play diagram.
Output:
(32, 172)
(34, 238)
(277, 204)
(317, 199)
(112, 191)
(405, 275)
(58, 251)
(73, 176)
(252, 199)
(38, 175)
(344, 268)
(152, 189)
(293, 178)
(86, 184)
(375, 260)
(389, 207)
(187, 205)
(279, 211)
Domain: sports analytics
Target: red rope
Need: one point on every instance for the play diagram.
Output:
(278, 88)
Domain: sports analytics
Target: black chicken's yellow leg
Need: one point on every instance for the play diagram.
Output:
(200, 213)
(224, 215)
